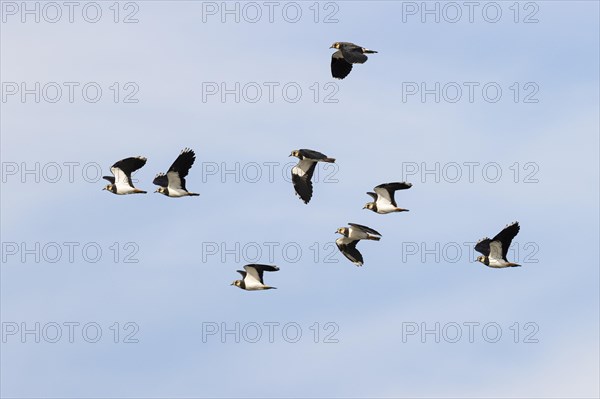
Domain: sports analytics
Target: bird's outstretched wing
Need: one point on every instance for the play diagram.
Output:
(483, 246)
(354, 54)
(386, 191)
(256, 271)
(123, 169)
(312, 154)
(364, 228)
(506, 236)
(301, 178)
(348, 248)
(161, 180)
(180, 168)
(340, 68)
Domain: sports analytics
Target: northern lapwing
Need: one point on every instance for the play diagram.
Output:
(252, 277)
(351, 236)
(172, 184)
(383, 198)
(303, 171)
(120, 182)
(494, 251)
(346, 55)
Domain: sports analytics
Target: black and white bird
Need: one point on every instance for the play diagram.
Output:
(252, 277)
(120, 182)
(383, 198)
(351, 236)
(494, 251)
(346, 55)
(303, 171)
(172, 184)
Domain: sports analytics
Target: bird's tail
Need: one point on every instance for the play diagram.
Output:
(372, 237)
(193, 194)
(330, 160)
(513, 264)
(401, 210)
(138, 191)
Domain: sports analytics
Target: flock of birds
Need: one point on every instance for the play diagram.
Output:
(172, 184)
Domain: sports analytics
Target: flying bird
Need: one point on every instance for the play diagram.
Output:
(172, 184)
(494, 251)
(303, 171)
(351, 236)
(383, 198)
(252, 277)
(121, 182)
(346, 55)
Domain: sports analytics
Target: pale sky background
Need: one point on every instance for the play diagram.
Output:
(171, 292)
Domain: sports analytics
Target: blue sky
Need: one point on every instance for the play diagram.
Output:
(177, 288)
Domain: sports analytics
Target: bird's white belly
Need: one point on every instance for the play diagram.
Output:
(173, 192)
(497, 262)
(385, 208)
(253, 285)
(125, 189)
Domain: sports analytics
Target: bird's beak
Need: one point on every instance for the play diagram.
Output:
(332, 46)
(156, 190)
(365, 207)
(103, 188)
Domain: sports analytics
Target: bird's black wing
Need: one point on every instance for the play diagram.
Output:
(365, 228)
(161, 180)
(506, 236)
(111, 179)
(395, 186)
(243, 273)
(265, 268)
(373, 195)
(387, 190)
(483, 246)
(127, 166)
(301, 175)
(340, 68)
(130, 165)
(311, 154)
(183, 163)
(354, 54)
(349, 250)
(180, 168)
